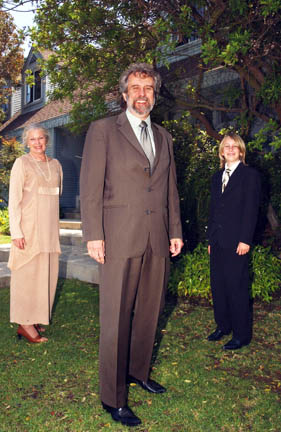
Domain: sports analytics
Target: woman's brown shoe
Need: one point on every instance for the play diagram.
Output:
(22, 332)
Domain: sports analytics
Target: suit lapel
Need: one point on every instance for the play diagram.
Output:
(128, 133)
(158, 145)
(234, 178)
(218, 183)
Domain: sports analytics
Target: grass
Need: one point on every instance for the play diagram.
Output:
(4, 239)
(54, 386)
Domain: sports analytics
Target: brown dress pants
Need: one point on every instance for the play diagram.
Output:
(132, 294)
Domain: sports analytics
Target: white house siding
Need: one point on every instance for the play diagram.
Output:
(49, 89)
(184, 51)
(16, 101)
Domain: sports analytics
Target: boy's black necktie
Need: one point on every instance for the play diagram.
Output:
(226, 178)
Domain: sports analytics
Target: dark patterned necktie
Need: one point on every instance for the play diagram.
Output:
(146, 143)
(226, 178)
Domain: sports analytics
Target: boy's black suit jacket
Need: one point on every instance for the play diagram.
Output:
(233, 213)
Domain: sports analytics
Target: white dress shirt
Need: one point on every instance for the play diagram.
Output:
(232, 169)
(135, 123)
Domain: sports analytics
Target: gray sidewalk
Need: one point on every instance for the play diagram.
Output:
(74, 262)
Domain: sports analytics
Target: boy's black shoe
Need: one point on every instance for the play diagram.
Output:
(235, 344)
(217, 335)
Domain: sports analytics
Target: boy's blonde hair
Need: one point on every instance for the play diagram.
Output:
(238, 140)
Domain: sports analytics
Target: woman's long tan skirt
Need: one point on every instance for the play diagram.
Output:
(33, 289)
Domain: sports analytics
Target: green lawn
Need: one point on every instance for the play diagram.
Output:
(5, 239)
(54, 386)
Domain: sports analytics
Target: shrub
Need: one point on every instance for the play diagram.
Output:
(4, 221)
(266, 273)
(196, 157)
(10, 149)
(190, 276)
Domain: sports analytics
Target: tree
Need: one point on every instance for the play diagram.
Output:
(11, 58)
(238, 37)
(11, 62)
(91, 43)
(93, 40)
(9, 151)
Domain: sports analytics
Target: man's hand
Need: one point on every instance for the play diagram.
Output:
(96, 250)
(175, 246)
(242, 248)
(209, 249)
(19, 243)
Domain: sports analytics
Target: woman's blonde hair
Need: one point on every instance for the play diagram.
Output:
(238, 140)
(33, 126)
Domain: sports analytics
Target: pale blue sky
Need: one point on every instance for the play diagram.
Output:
(24, 19)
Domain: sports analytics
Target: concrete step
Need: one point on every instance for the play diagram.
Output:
(74, 263)
(71, 224)
(4, 275)
(72, 215)
(70, 237)
(4, 252)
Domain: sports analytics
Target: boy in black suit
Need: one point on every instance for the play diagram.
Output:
(235, 196)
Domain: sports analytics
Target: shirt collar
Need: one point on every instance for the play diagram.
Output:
(136, 121)
(233, 167)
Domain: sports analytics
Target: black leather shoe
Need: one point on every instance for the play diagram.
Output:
(149, 385)
(235, 344)
(217, 335)
(124, 415)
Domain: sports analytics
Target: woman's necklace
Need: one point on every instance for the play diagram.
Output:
(48, 179)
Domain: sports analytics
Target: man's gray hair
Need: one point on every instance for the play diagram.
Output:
(143, 69)
(33, 126)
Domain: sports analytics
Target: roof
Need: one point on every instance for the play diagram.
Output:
(51, 110)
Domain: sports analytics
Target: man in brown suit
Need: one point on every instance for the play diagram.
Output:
(131, 220)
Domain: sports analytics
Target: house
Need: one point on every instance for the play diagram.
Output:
(31, 104)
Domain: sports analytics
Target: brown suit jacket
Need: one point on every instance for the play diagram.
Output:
(121, 202)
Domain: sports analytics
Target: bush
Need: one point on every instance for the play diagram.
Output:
(266, 273)
(196, 157)
(10, 149)
(190, 276)
(4, 221)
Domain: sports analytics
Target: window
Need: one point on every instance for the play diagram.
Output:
(33, 92)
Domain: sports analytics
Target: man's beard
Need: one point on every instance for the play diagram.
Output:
(143, 110)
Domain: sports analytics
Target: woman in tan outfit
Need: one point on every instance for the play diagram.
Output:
(35, 186)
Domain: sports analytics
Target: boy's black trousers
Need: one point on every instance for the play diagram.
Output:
(230, 290)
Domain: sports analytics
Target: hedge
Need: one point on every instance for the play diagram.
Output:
(190, 276)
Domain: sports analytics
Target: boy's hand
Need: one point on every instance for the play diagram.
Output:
(242, 248)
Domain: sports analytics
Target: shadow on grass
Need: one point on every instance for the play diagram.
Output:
(170, 304)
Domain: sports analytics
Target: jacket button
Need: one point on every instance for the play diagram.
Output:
(146, 169)
(147, 212)
(149, 189)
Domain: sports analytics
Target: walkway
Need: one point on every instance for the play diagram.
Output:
(74, 260)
